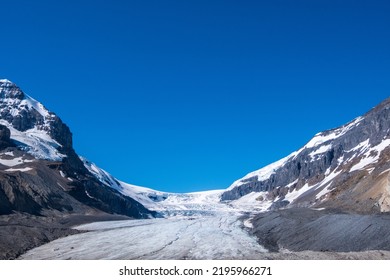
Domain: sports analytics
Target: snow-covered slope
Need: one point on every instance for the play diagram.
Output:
(145, 196)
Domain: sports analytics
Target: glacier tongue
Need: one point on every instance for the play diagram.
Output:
(206, 203)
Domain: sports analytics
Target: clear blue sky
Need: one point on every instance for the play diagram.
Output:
(192, 95)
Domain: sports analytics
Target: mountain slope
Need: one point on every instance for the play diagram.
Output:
(39, 168)
(344, 168)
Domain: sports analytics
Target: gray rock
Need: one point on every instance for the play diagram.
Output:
(5, 133)
(302, 229)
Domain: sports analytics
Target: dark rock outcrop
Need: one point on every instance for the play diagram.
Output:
(10, 90)
(5, 140)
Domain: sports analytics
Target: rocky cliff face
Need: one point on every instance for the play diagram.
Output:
(39, 168)
(346, 168)
(24, 113)
(5, 137)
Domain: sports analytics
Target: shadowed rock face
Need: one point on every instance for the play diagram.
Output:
(334, 152)
(5, 135)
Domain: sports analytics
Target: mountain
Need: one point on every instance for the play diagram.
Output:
(43, 179)
(346, 168)
(36, 144)
(336, 184)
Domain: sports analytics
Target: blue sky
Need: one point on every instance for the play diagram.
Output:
(192, 95)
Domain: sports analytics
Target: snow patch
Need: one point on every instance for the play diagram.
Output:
(295, 194)
(254, 201)
(327, 182)
(361, 146)
(321, 137)
(32, 103)
(12, 162)
(368, 157)
(248, 223)
(363, 163)
(36, 143)
(61, 186)
(263, 173)
(90, 196)
(26, 169)
(387, 170)
(320, 150)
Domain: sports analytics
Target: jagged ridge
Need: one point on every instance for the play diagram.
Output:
(328, 166)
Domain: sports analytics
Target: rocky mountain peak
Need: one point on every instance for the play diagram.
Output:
(10, 90)
(24, 116)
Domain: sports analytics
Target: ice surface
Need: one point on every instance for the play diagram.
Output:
(220, 237)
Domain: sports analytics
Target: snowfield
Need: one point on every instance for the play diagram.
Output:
(212, 237)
